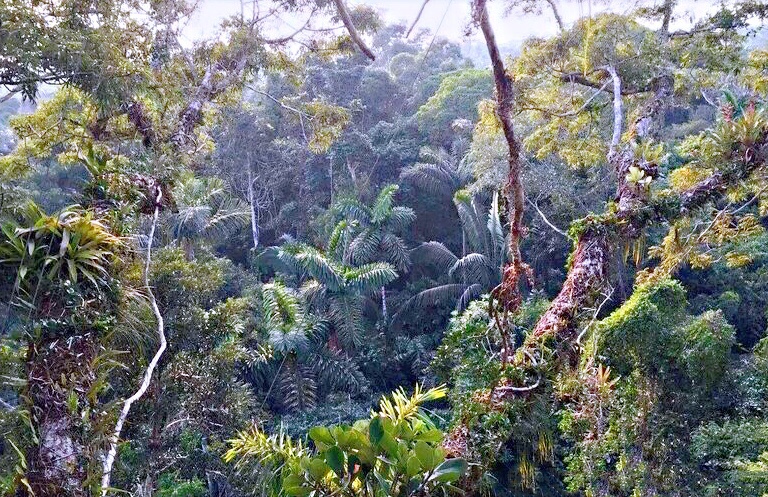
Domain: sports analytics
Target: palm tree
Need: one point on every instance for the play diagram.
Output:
(298, 360)
(336, 290)
(372, 234)
(439, 172)
(206, 211)
(468, 275)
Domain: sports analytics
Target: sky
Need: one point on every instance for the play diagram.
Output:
(448, 17)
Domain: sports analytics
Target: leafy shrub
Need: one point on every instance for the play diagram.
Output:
(394, 453)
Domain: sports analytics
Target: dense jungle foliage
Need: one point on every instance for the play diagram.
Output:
(349, 260)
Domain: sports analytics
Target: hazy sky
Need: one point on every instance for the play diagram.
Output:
(447, 17)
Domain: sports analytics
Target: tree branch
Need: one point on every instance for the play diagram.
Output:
(351, 29)
(418, 16)
(110, 458)
(13, 91)
(558, 19)
(546, 221)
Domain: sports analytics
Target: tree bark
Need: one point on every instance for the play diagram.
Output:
(508, 292)
(635, 213)
(252, 202)
(59, 372)
(346, 18)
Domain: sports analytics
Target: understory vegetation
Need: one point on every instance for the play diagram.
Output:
(349, 260)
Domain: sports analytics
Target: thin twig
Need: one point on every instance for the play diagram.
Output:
(544, 218)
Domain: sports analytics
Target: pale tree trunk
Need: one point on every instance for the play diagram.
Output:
(254, 207)
(384, 304)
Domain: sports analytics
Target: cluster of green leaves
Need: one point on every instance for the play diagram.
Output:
(394, 453)
(652, 372)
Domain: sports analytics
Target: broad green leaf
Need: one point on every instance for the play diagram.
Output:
(413, 466)
(427, 455)
(335, 459)
(375, 430)
(450, 470)
(321, 434)
(318, 469)
(294, 486)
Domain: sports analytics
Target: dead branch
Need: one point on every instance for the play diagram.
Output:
(110, 457)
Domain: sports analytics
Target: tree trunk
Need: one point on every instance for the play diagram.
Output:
(508, 292)
(254, 207)
(59, 377)
(384, 304)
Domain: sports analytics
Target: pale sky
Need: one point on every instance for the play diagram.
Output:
(449, 17)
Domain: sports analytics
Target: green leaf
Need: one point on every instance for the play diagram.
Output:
(321, 434)
(294, 485)
(413, 466)
(428, 457)
(335, 459)
(318, 469)
(375, 430)
(433, 435)
(450, 470)
(72, 270)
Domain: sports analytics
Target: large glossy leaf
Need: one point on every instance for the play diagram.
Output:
(449, 470)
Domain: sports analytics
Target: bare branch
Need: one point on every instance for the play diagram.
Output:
(418, 16)
(555, 12)
(109, 460)
(347, 20)
(13, 91)
(546, 221)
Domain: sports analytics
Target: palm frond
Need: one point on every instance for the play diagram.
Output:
(347, 319)
(336, 371)
(298, 388)
(474, 229)
(370, 277)
(472, 268)
(471, 293)
(352, 208)
(436, 253)
(496, 231)
(383, 204)
(364, 247)
(395, 252)
(291, 341)
(400, 218)
(314, 263)
(442, 294)
(229, 218)
(432, 178)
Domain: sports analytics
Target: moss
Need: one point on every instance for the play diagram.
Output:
(638, 334)
(705, 345)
